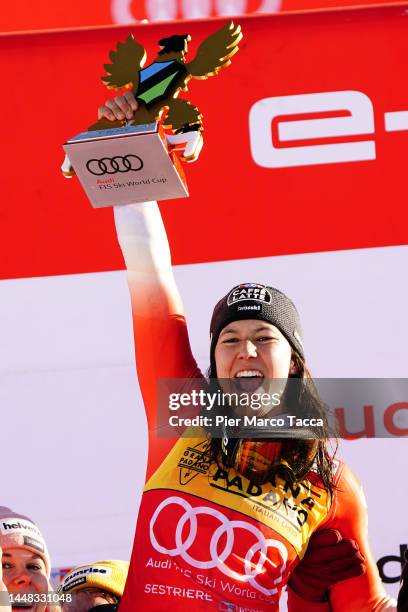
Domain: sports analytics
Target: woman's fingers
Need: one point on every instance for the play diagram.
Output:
(120, 108)
(131, 100)
(104, 112)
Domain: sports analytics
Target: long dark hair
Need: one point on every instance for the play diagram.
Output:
(296, 456)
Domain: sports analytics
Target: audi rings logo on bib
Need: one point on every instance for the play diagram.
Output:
(205, 539)
(113, 165)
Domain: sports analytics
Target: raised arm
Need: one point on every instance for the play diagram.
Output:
(161, 338)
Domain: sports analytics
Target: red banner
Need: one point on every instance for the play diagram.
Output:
(43, 14)
(306, 139)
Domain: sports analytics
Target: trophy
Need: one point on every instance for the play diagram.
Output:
(120, 162)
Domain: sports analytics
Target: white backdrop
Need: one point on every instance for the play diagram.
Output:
(73, 430)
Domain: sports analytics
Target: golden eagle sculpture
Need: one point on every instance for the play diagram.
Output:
(156, 87)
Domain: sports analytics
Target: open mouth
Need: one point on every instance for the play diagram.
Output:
(248, 380)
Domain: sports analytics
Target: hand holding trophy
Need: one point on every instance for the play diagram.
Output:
(132, 153)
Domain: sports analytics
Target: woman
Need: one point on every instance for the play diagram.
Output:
(223, 524)
(26, 564)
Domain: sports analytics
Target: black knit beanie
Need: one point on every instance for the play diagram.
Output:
(254, 301)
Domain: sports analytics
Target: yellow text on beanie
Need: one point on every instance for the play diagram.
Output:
(106, 575)
(19, 531)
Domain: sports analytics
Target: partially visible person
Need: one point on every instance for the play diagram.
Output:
(403, 593)
(95, 587)
(26, 564)
(3, 590)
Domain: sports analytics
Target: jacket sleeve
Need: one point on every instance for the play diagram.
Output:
(349, 515)
(162, 345)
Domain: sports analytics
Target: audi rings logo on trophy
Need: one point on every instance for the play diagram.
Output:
(252, 569)
(112, 165)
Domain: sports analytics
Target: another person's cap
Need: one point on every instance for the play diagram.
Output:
(255, 301)
(108, 575)
(19, 531)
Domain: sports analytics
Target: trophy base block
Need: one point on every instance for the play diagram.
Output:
(126, 165)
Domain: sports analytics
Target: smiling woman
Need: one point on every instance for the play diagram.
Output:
(230, 520)
(246, 344)
(26, 564)
(256, 337)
